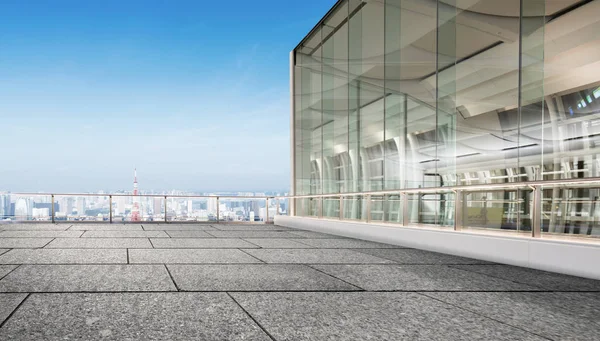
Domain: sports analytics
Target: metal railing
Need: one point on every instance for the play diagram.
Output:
(530, 208)
(152, 207)
(520, 207)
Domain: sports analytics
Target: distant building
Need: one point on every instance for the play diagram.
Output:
(4, 205)
(47, 206)
(81, 206)
(23, 209)
(157, 206)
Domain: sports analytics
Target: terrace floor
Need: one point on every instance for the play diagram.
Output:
(266, 282)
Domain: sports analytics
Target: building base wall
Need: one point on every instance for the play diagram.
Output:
(577, 258)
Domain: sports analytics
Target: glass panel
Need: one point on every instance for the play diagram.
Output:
(394, 132)
(532, 85)
(302, 207)
(569, 131)
(477, 93)
(145, 207)
(308, 115)
(353, 208)
(28, 208)
(157, 209)
(377, 208)
(415, 76)
(354, 69)
(393, 207)
(313, 207)
(414, 202)
(446, 209)
(92, 208)
(573, 211)
(447, 64)
(335, 100)
(299, 159)
(188, 209)
(331, 207)
(366, 95)
(284, 206)
(500, 210)
(270, 211)
(429, 209)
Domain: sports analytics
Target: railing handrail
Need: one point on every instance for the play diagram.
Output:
(141, 195)
(449, 189)
(424, 190)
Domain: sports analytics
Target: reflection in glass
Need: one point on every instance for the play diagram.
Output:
(394, 94)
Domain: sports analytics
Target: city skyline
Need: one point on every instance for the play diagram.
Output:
(137, 206)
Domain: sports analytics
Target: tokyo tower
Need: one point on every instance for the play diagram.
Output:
(135, 211)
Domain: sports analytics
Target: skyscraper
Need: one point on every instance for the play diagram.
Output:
(4, 205)
(81, 206)
(157, 206)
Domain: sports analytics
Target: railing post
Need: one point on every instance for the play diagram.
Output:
(458, 210)
(110, 208)
(278, 207)
(405, 218)
(368, 198)
(320, 207)
(166, 209)
(536, 228)
(217, 210)
(341, 207)
(53, 213)
(386, 208)
(267, 211)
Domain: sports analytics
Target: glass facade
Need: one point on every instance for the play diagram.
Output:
(405, 94)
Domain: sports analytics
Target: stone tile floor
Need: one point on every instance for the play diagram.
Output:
(265, 282)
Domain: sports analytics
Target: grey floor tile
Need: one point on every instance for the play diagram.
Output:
(105, 227)
(369, 316)
(189, 234)
(311, 234)
(41, 234)
(8, 303)
(6, 269)
(189, 256)
(252, 234)
(536, 278)
(34, 227)
(169, 227)
(344, 243)
(88, 278)
(19, 243)
(418, 278)
(200, 243)
(100, 243)
(4, 251)
(415, 256)
(314, 256)
(125, 234)
(557, 316)
(278, 243)
(64, 256)
(257, 227)
(260, 277)
(131, 316)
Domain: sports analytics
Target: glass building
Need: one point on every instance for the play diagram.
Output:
(451, 94)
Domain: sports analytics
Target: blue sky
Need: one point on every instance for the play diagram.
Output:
(195, 94)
